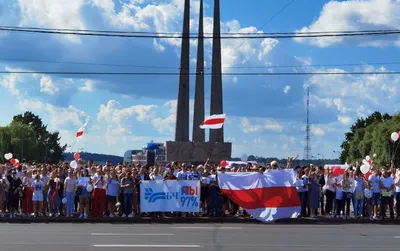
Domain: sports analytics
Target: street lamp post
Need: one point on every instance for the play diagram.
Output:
(22, 147)
(338, 153)
(322, 155)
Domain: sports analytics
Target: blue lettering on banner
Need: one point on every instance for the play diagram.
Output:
(152, 196)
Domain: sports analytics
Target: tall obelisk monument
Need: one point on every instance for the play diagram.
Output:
(182, 115)
(216, 106)
(198, 115)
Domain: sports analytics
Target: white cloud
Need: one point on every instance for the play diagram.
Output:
(286, 89)
(356, 95)
(11, 80)
(113, 112)
(355, 15)
(47, 86)
(340, 106)
(88, 87)
(260, 125)
(57, 116)
(345, 120)
(52, 14)
(158, 46)
(167, 17)
(166, 125)
(317, 131)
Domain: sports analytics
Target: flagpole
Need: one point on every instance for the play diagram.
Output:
(73, 145)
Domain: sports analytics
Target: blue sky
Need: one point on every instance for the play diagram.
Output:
(266, 115)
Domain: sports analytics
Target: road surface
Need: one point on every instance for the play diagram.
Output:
(197, 237)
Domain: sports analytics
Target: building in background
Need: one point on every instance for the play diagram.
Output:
(142, 156)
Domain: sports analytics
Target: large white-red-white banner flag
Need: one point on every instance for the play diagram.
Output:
(266, 196)
(215, 121)
(79, 133)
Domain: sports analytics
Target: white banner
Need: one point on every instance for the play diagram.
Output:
(170, 196)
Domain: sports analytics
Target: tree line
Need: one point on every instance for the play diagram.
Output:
(27, 138)
(370, 136)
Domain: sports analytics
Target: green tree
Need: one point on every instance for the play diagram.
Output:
(372, 136)
(351, 153)
(18, 139)
(49, 148)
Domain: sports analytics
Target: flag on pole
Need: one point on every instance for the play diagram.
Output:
(79, 133)
(265, 196)
(214, 122)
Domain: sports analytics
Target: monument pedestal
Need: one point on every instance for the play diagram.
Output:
(198, 152)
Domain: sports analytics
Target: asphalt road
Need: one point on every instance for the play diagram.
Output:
(197, 237)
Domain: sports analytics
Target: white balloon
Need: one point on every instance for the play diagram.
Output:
(368, 158)
(244, 157)
(8, 156)
(364, 161)
(73, 164)
(64, 201)
(89, 188)
(374, 155)
(394, 136)
(365, 169)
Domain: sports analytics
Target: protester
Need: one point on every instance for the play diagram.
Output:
(37, 196)
(70, 186)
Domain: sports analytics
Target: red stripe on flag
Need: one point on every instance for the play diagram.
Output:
(79, 134)
(266, 197)
(214, 121)
(326, 171)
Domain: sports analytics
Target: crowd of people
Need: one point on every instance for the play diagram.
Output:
(350, 195)
(90, 190)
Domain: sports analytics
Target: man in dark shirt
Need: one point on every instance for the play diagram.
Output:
(14, 192)
(321, 182)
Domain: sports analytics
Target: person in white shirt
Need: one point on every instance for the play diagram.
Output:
(37, 198)
(387, 186)
(99, 194)
(329, 193)
(156, 174)
(184, 174)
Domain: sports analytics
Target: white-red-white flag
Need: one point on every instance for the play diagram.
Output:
(79, 133)
(265, 196)
(214, 122)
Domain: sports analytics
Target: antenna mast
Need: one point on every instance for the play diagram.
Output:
(307, 148)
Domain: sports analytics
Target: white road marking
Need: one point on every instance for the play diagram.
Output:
(225, 228)
(147, 246)
(130, 234)
(397, 237)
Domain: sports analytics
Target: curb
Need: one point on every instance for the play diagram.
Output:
(141, 220)
(198, 220)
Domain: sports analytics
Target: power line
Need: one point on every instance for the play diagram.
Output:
(262, 26)
(176, 68)
(294, 35)
(177, 73)
(4, 27)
